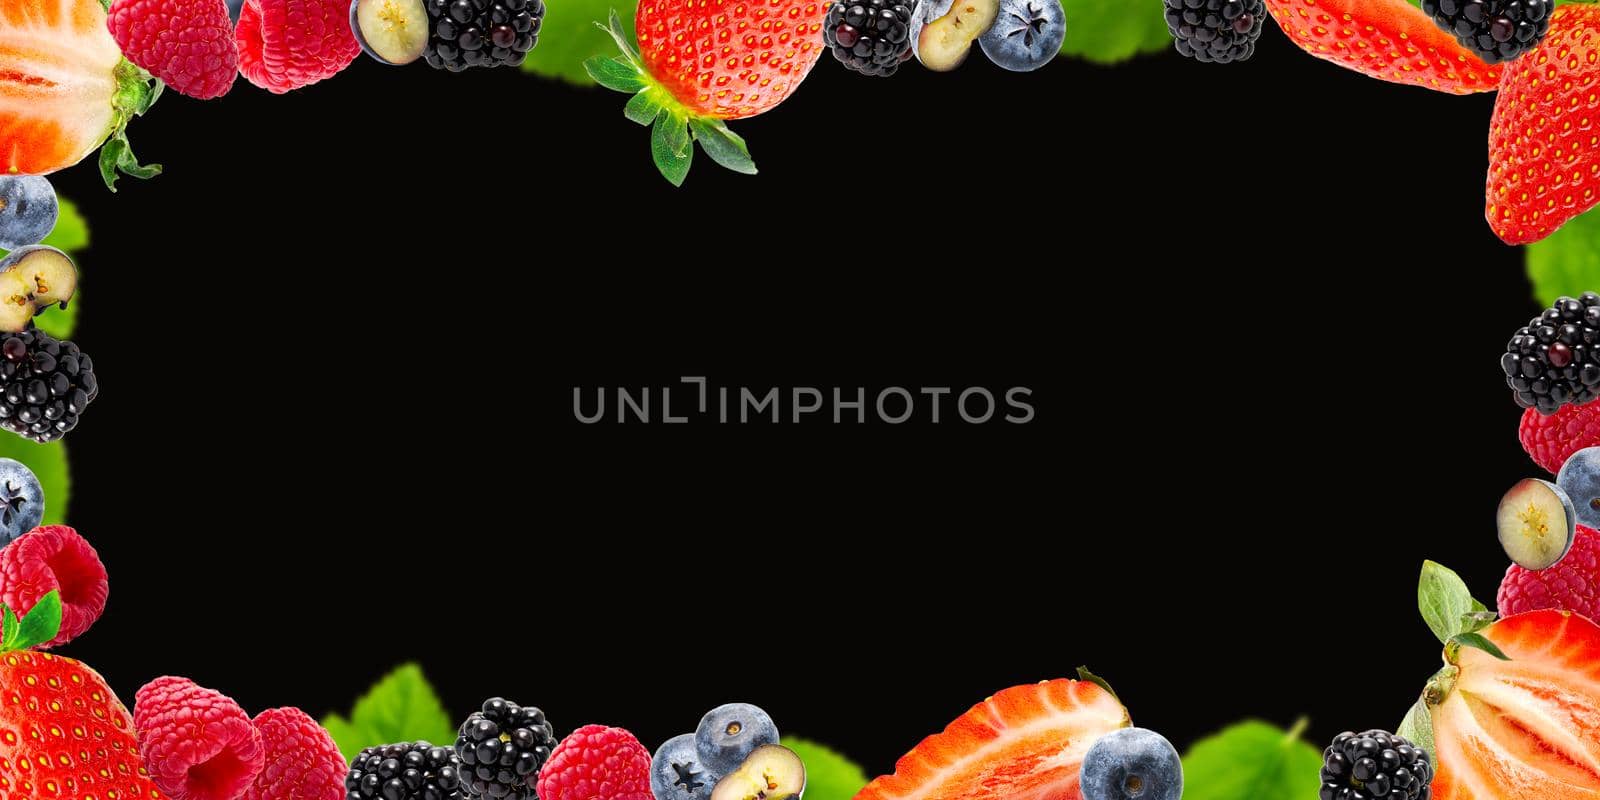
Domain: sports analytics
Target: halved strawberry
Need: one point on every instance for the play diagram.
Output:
(1024, 743)
(65, 88)
(1390, 40)
(1524, 728)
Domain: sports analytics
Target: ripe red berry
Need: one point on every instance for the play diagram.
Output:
(186, 43)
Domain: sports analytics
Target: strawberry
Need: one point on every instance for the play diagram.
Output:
(1024, 743)
(1524, 728)
(63, 732)
(65, 89)
(703, 62)
(1390, 40)
(1544, 149)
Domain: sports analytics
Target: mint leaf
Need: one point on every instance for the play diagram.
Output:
(1567, 262)
(41, 623)
(402, 707)
(10, 631)
(1417, 727)
(1445, 601)
(829, 776)
(71, 232)
(568, 37)
(1109, 31)
(49, 463)
(1251, 761)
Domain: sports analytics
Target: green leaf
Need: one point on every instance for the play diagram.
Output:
(671, 149)
(723, 146)
(116, 156)
(568, 37)
(350, 739)
(1417, 727)
(1445, 601)
(41, 623)
(614, 73)
(1252, 761)
(400, 708)
(1567, 262)
(829, 776)
(1480, 642)
(642, 108)
(1477, 620)
(1109, 31)
(10, 630)
(71, 233)
(49, 464)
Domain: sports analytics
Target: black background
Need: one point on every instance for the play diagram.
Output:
(1258, 307)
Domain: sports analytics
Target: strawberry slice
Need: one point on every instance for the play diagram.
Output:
(1024, 743)
(1390, 40)
(1524, 728)
(65, 88)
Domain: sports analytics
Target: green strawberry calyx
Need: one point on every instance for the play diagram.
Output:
(673, 127)
(39, 625)
(136, 92)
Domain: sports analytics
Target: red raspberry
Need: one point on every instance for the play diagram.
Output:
(597, 763)
(196, 743)
(1573, 584)
(55, 558)
(186, 43)
(287, 44)
(302, 761)
(1551, 440)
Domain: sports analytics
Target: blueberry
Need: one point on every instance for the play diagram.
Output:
(728, 734)
(1132, 764)
(27, 210)
(676, 773)
(23, 498)
(1026, 35)
(1580, 479)
(393, 32)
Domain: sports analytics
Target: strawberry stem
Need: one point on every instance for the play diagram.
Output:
(136, 92)
(1441, 685)
(674, 128)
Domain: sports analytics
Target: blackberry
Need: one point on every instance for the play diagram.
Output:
(872, 37)
(502, 749)
(45, 385)
(1497, 30)
(1555, 359)
(1216, 31)
(1375, 764)
(411, 771)
(481, 33)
